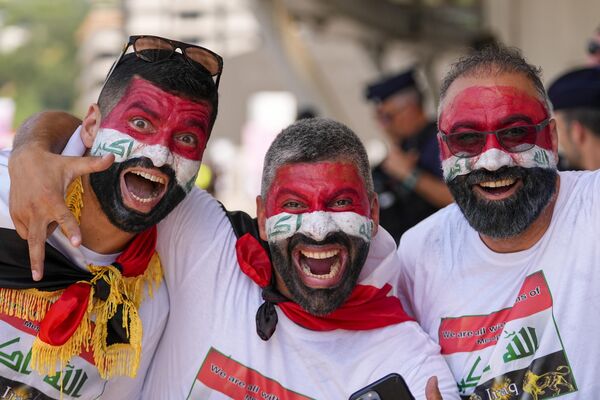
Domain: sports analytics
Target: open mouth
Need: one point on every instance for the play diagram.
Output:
(498, 189)
(320, 266)
(142, 188)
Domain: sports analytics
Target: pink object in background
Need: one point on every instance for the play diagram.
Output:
(7, 112)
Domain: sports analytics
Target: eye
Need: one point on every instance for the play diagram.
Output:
(340, 203)
(293, 205)
(467, 137)
(187, 139)
(141, 124)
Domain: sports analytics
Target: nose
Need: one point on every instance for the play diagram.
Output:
(317, 225)
(493, 159)
(159, 154)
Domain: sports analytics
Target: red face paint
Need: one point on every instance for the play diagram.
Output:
(322, 186)
(153, 116)
(488, 108)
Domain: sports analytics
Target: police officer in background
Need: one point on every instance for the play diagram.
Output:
(576, 100)
(409, 181)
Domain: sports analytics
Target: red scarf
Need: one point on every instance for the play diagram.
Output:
(367, 307)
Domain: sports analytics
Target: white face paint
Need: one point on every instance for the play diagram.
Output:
(124, 147)
(317, 225)
(494, 159)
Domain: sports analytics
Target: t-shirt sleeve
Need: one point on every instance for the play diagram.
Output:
(429, 362)
(407, 261)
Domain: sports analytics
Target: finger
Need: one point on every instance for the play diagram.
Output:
(87, 165)
(36, 241)
(21, 229)
(432, 392)
(68, 224)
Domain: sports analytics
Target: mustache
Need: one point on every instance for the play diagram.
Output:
(145, 162)
(332, 238)
(483, 175)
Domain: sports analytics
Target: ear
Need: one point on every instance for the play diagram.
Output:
(375, 213)
(578, 134)
(90, 125)
(554, 136)
(262, 218)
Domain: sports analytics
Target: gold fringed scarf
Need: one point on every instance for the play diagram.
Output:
(82, 316)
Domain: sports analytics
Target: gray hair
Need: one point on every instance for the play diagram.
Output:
(495, 60)
(313, 140)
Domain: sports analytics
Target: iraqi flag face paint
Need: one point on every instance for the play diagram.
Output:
(167, 129)
(318, 224)
(500, 193)
(489, 108)
(158, 140)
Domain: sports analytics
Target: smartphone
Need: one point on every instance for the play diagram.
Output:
(390, 387)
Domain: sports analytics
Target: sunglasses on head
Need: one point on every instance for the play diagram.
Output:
(155, 48)
(515, 139)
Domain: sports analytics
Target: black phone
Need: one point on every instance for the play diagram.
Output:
(390, 387)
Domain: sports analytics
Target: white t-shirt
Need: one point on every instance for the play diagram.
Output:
(79, 378)
(210, 348)
(519, 325)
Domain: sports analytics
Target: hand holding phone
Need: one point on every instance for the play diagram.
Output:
(390, 387)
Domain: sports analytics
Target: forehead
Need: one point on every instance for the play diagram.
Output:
(490, 91)
(318, 175)
(149, 96)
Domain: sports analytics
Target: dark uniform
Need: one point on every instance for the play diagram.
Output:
(401, 207)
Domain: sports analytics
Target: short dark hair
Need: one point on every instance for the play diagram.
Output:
(314, 140)
(174, 75)
(495, 60)
(588, 117)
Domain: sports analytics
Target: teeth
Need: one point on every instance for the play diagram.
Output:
(149, 176)
(319, 255)
(335, 268)
(142, 200)
(498, 183)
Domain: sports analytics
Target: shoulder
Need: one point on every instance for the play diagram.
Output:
(434, 227)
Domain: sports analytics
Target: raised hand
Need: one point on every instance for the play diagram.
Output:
(39, 180)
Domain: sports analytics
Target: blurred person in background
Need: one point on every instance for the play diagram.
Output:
(409, 180)
(593, 49)
(576, 100)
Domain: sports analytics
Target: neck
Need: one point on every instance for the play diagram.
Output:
(97, 232)
(530, 236)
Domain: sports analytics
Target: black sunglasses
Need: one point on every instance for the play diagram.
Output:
(156, 48)
(515, 139)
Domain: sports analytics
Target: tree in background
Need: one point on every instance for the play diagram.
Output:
(37, 53)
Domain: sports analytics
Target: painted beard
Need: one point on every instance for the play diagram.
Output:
(506, 218)
(118, 213)
(319, 301)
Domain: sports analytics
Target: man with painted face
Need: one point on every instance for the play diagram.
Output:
(320, 318)
(504, 279)
(90, 327)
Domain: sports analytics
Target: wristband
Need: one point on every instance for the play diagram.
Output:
(411, 180)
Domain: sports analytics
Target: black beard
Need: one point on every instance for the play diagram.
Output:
(319, 301)
(107, 188)
(506, 218)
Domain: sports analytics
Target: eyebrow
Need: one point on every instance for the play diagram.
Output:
(516, 118)
(462, 124)
(288, 191)
(144, 107)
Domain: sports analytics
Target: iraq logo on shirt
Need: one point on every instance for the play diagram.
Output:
(513, 353)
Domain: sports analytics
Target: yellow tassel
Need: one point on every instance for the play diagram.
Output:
(74, 198)
(28, 304)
